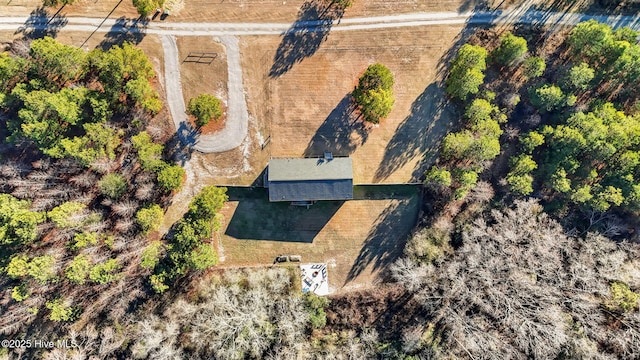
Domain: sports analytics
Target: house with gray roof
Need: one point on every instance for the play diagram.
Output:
(306, 180)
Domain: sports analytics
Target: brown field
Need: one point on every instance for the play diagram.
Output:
(307, 107)
(357, 238)
(276, 10)
(233, 10)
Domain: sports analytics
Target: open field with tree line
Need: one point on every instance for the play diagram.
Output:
(518, 238)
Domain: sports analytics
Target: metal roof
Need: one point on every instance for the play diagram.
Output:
(311, 190)
(297, 169)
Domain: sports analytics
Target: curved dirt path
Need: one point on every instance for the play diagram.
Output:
(173, 85)
(236, 126)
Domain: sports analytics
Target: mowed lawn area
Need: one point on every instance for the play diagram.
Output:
(357, 238)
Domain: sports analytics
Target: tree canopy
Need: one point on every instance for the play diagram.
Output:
(205, 108)
(466, 73)
(18, 224)
(374, 93)
(511, 50)
(150, 218)
(189, 250)
(60, 98)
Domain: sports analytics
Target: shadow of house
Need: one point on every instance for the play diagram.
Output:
(124, 29)
(340, 133)
(304, 37)
(256, 218)
(384, 243)
(40, 24)
(419, 133)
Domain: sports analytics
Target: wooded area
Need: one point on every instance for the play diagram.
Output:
(84, 187)
(526, 248)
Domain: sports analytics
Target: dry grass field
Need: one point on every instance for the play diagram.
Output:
(282, 11)
(234, 10)
(307, 106)
(357, 238)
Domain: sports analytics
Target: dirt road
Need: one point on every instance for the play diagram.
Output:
(519, 15)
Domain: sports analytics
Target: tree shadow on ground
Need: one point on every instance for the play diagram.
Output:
(256, 218)
(590, 7)
(304, 37)
(432, 116)
(340, 133)
(180, 146)
(385, 243)
(103, 21)
(429, 121)
(124, 29)
(40, 24)
(476, 5)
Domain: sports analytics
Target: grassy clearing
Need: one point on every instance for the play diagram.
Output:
(356, 238)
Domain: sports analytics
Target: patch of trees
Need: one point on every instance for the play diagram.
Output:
(263, 318)
(18, 224)
(511, 50)
(604, 61)
(169, 177)
(576, 148)
(374, 93)
(188, 247)
(150, 218)
(246, 314)
(147, 7)
(519, 287)
(466, 73)
(60, 98)
(465, 153)
(205, 108)
(77, 198)
(590, 160)
(585, 158)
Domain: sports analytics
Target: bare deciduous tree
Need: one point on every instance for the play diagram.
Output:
(144, 191)
(519, 287)
(125, 208)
